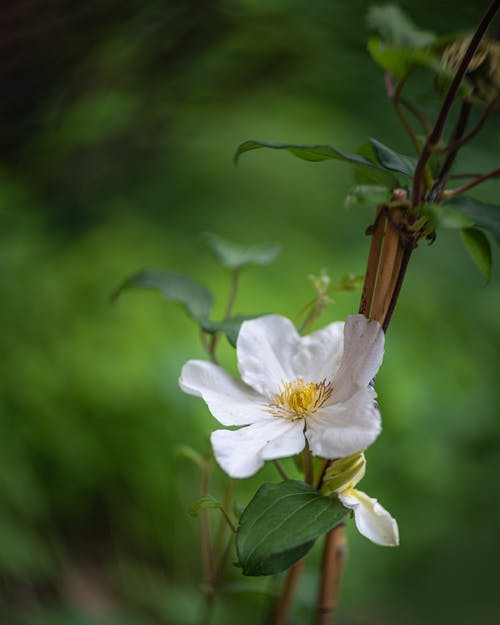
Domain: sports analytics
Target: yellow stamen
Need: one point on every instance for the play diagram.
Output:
(299, 399)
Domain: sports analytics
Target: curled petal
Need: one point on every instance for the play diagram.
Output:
(319, 354)
(241, 453)
(339, 430)
(362, 357)
(265, 347)
(372, 520)
(230, 401)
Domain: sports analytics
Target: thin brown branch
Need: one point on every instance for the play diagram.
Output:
(278, 466)
(465, 187)
(456, 144)
(308, 466)
(438, 129)
(283, 606)
(333, 560)
(457, 134)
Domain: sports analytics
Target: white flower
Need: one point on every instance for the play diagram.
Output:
(316, 385)
(372, 520)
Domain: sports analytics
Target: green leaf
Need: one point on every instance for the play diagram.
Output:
(445, 216)
(366, 196)
(478, 246)
(207, 501)
(389, 159)
(395, 28)
(483, 215)
(176, 287)
(399, 61)
(234, 256)
(230, 327)
(317, 153)
(280, 525)
(376, 176)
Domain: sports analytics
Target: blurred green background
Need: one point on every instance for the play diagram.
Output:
(119, 122)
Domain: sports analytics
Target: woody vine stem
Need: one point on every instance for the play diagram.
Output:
(395, 234)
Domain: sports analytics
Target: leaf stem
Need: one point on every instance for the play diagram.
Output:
(233, 291)
(280, 469)
(437, 131)
(454, 192)
(308, 465)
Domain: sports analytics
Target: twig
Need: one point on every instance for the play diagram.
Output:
(438, 129)
(280, 469)
(308, 466)
(282, 609)
(333, 559)
(454, 192)
(212, 345)
(457, 134)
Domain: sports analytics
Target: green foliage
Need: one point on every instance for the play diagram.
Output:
(234, 256)
(366, 196)
(478, 246)
(390, 159)
(373, 177)
(396, 29)
(280, 525)
(445, 216)
(175, 287)
(318, 153)
(230, 327)
(203, 503)
(481, 214)
(399, 46)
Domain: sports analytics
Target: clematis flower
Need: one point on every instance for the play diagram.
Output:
(293, 388)
(372, 520)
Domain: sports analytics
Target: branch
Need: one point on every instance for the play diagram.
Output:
(437, 131)
(465, 187)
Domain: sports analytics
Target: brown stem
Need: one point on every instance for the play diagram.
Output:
(308, 466)
(333, 559)
(403, 265)
(283, 607)
(280, 469)
(377, 231)
(454, 192)
(458, 132)
(458, 143)
(388, 266)
(438, 129)
(212, 346)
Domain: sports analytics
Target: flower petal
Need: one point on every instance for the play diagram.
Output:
(241, 453)
(265, 347)
(339, 430)
(319, 354)
(372, 520)
(230, 401)
(362, 357)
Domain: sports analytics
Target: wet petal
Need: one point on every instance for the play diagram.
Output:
(362, 357)
(265, 348)
(241, 453)
(372, 520)
(339, 430)
(230, 401)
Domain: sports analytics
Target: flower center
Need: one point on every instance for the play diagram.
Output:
(298, 399)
